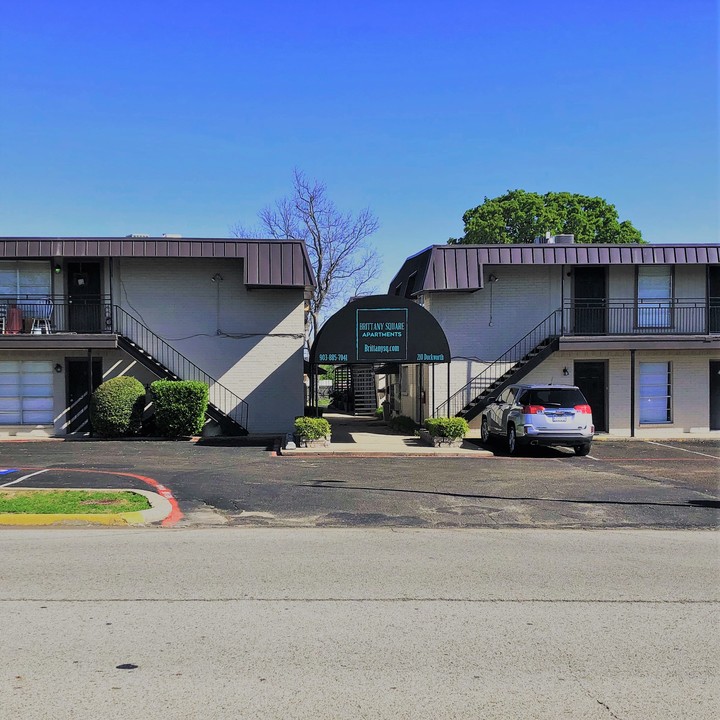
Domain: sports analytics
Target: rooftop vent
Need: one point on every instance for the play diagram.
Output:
(565, 239)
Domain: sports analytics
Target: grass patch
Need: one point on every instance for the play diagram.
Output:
(71, 502)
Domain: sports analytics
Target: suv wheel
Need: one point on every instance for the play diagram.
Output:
(484, 431)
(512, 441)
(581, 449)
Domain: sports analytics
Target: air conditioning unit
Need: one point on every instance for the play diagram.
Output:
(566, 239)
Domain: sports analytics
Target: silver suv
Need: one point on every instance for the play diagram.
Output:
(539, 415)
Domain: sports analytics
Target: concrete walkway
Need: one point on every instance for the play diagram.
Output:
(362, 436)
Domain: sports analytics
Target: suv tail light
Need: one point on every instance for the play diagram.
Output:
(583, 409)
(533, 409)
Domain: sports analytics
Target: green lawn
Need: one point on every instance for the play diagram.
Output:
(46, 502)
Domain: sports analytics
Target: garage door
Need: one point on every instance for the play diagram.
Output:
(26, 393)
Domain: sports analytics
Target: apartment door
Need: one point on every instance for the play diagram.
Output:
(714, 298)
(591, 378)
(714, 395)
(590, 298)
(84, 281)
(76, 386)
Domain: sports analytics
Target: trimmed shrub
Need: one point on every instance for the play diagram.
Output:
(453, 428)
(379, 413)
(180, 406)
(116, 407)
(312, 428)
(403, 423)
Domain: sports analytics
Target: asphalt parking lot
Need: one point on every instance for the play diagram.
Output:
(621, 484)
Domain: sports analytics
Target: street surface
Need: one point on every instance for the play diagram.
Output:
(364, 623)
(622, 484)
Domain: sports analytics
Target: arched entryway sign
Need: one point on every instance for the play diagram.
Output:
(380, 329)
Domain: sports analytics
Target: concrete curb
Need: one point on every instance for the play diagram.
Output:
(159, 510)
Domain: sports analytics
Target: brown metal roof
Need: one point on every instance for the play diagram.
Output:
(273, 263)
(459, 267)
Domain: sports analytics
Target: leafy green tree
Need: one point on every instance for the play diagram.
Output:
(520, 217)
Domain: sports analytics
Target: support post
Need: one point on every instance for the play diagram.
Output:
(432, 405)
(632, 393)
(89, 387)
(448, 388)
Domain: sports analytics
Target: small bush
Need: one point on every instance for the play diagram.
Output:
(312, 428)
(403, 423)
(453, 428)
(116, 407)
(180, 406)
(379, 413)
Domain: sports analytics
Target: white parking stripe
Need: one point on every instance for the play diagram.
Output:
(673, 447)
(24, 477)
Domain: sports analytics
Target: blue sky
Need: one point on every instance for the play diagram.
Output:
(165, 116)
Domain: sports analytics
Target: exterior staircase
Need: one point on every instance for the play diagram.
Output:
(514, 364)
(224, 407)
(364, 392)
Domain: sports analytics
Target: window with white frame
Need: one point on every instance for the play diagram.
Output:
(26, 392)
(655, 392)
(654, 296)
(25, 277)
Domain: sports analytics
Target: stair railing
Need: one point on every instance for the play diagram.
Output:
(544, 332)
(221, 397)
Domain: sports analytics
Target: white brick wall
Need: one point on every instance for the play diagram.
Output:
(258, 356)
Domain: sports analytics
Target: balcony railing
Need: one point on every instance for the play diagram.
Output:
(642, 317)
(40, 314)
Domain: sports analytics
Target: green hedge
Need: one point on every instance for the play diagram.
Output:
(116, 407)
(312, 428)
(180, 407)
(454, 427)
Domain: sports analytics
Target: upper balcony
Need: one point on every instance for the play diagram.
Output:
(632, 322)
(42, 321)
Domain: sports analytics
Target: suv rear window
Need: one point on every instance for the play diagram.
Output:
(553, 397)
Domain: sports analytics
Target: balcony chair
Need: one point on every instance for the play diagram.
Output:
(41, 313)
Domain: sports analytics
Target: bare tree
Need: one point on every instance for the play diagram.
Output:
(345, 263)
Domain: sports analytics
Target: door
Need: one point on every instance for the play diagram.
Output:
(590, 293)
(76, 379)
(715, 395)
(84, 297)
(714, 298)
(591, 378)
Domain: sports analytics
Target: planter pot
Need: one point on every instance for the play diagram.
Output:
(438, 440)
(303, 441)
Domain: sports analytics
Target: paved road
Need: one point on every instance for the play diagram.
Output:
(622, 484)
(366, 623)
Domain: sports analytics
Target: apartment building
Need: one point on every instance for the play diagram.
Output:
(77, 311)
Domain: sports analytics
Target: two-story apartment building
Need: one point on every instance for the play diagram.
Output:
(637, 327)
(77, 311)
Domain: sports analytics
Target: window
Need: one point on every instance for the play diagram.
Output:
(26, 393)
(24, 277)
(654, 296)
(655, 392)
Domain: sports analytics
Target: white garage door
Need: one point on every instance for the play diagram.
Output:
(26, 392)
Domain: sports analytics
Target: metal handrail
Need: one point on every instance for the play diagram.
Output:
(543, 333)
(642, 316)
(221, 397)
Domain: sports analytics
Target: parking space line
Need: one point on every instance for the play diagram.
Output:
(672, 447)
(24, 477)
